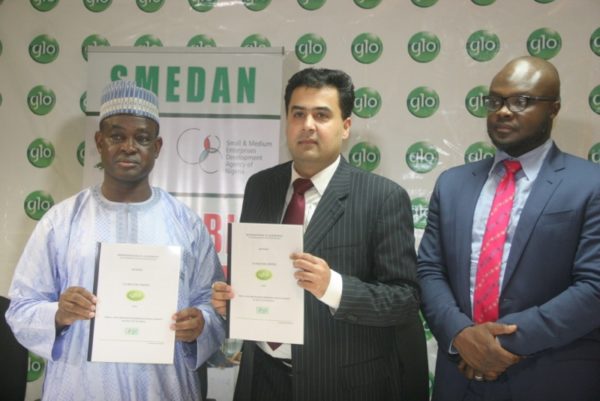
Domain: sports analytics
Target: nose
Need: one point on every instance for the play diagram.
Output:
(309, 123)
(129, 145)
(504, 111)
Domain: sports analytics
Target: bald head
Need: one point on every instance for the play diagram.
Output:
(530, 75)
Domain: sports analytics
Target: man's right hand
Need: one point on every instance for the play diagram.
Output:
(479, 348)
(221, 293)
(76, 303)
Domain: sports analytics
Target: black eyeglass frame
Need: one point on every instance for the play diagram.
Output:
(513, 107)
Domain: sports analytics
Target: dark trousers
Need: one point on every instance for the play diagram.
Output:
(272, 379)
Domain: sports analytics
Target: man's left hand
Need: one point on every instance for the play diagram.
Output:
(189, 323)
(313, 273)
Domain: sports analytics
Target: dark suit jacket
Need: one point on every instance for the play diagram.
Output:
(13, 361)
(362, 227)
(551, 288)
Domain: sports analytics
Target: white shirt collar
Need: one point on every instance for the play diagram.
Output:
(322, 178)
(531, 162)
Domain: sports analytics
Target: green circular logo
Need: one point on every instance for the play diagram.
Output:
(420, 207)
(40, 153)
(202, 41)
(44, 49)
(0, 99)
(310, 48)
(594, 42)
(423, 47)
(544, 43)
(264, 274)
(367, 3)
(479, 151)
(256, 40)
(594, 153)
(422, 102)
(83, 102)
(428, 334)
(367, 102)
(366, 48)
(422, 157)
(594, 99)
(81, 153)
(424, 3)
(149, 6)
(41, 100)
(148, 41)
(483, 45)
(544, 1)
(202, 5)
(37, 204)
(135, 295)
(483, 2)
(92, 40)
(35, 367)
(1, 47)
(311, 5)
(474, 101)
(44, 5)
(365, 155)
(256, 5)
(97, 6)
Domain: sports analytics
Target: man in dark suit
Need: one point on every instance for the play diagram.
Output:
(516, 311)
(358, 265)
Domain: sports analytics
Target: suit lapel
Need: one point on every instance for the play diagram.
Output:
(330, 208)
(273, 206)
(543, 188)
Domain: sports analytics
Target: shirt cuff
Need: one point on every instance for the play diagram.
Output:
(333, 294)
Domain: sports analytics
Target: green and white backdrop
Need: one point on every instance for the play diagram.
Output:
(420, 68)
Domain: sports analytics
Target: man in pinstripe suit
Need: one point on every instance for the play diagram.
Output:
(363, 339)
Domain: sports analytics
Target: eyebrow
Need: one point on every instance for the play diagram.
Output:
(302, 108)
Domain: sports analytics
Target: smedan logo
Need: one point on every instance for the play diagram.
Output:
(195, 147)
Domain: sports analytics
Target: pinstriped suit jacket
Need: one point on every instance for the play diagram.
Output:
(363, 228)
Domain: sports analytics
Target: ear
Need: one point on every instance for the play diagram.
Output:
(347, 124)
(555, 109)
(157, 146)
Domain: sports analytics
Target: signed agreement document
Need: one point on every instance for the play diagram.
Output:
(136, 286)
(268, 304)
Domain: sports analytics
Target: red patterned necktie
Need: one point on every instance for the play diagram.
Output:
(487, 281)
(294, 214)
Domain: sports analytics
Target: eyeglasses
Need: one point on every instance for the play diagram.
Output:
(515, 104)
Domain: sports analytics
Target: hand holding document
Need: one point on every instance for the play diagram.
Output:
(268, 304)
(136, 286)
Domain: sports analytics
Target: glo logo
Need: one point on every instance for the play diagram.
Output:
(422, 157)
(594, 42)
(202, 5)
(479, 151)
(149, 6)
(310, 48)
(41, 100)
(365, 155)
(544, 1)
(420, 207)
(594, 153)
(367, 3)
(311, 5)
(256, 5)
(44, 49)
(202, 41)
(422, 102)
(474, 101)
(97, 6)
(483, 2)
(594, 99)
(367, 102)
(483, 45)
(428, 334)
(83, 102)
(40, 153)
(424, 3)
(0, 99)
(44, 5)
(35, 367)
(544, 43)
(423, 47)
(256, 40)
(37, 204)
(366, 48)
(148, 41)
(81, 153)
(0, 47)
(92, 40)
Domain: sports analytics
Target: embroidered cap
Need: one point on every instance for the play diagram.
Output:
(125, 97)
